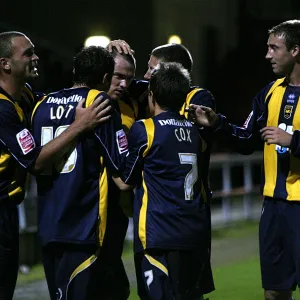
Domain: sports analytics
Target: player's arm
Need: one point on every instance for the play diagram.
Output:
(16, 137)
(295, 144)
(242, 139)
(121, 184)
(277, 136)
(86, 119)
(113, 139)
(131, 170)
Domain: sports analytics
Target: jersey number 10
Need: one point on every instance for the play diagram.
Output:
(67, 165)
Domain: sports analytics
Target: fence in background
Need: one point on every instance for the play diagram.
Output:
(241, 202)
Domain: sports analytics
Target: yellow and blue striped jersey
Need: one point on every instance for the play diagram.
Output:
(18, 150)
(70, 192)
(276, 105)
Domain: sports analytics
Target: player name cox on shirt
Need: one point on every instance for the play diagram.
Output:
(182, 134)
(25, 140)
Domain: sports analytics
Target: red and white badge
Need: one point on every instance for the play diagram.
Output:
(121, 141)
(26, 141)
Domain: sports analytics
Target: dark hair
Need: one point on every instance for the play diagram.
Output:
(290, 30)
(91, 64)
(174, 53)
(170, 83)
(128, 57)
(5, 42)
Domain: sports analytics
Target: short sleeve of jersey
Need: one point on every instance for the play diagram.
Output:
(137, 143)
(15, 137)
(205, 98)
(113, 139)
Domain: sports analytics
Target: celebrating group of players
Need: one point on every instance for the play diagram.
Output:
(112, 146)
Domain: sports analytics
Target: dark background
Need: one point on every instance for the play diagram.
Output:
(227, 38)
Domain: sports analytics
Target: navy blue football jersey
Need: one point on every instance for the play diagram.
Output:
(18, 150)
(199, 96)
(69, 192)
(277, 105)
(165, 162)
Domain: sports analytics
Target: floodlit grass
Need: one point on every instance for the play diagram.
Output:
(36, 273)
(238, 281)
(236, 230)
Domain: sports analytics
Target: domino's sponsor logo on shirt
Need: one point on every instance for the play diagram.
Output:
(122, 141)
(25, 140)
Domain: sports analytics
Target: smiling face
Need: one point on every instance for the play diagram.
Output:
(123, 74)
(281, 59)
(23, 62)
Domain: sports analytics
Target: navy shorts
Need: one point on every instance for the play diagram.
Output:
(279, 243)
(70, 271)
(172, 274)
(112, 277)
(205, 281)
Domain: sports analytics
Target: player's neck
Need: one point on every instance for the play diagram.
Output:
(79, 85)
(13, 87)
(294, 78)
(158, 110)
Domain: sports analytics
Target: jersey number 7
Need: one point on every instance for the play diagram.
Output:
(192, 176)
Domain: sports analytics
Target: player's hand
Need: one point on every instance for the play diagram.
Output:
(121, 46)
(203, 115)
(97, 113)
(276, 135)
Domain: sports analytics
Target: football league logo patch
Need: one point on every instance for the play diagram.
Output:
(25, 140)
(288, 109)
(121, 141)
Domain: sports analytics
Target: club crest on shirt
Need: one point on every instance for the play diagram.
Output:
(25, 140)
(288, 109)
(121, 141)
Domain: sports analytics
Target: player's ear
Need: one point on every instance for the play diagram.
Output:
(151, 99)
(106, 80)
(150, 95)
(296, 50)
(5, 63)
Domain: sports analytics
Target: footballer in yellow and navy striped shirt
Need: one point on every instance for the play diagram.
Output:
(275, 119)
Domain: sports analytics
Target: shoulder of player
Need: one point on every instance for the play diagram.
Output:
(93, 94)
(139, 125)
(6, 104)
(261, 96)
(201, 96)
(8, 111)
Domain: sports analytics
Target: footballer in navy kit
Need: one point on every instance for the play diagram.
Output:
(70, 207)
(164, 163)
(113, 278)
(19, 152)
